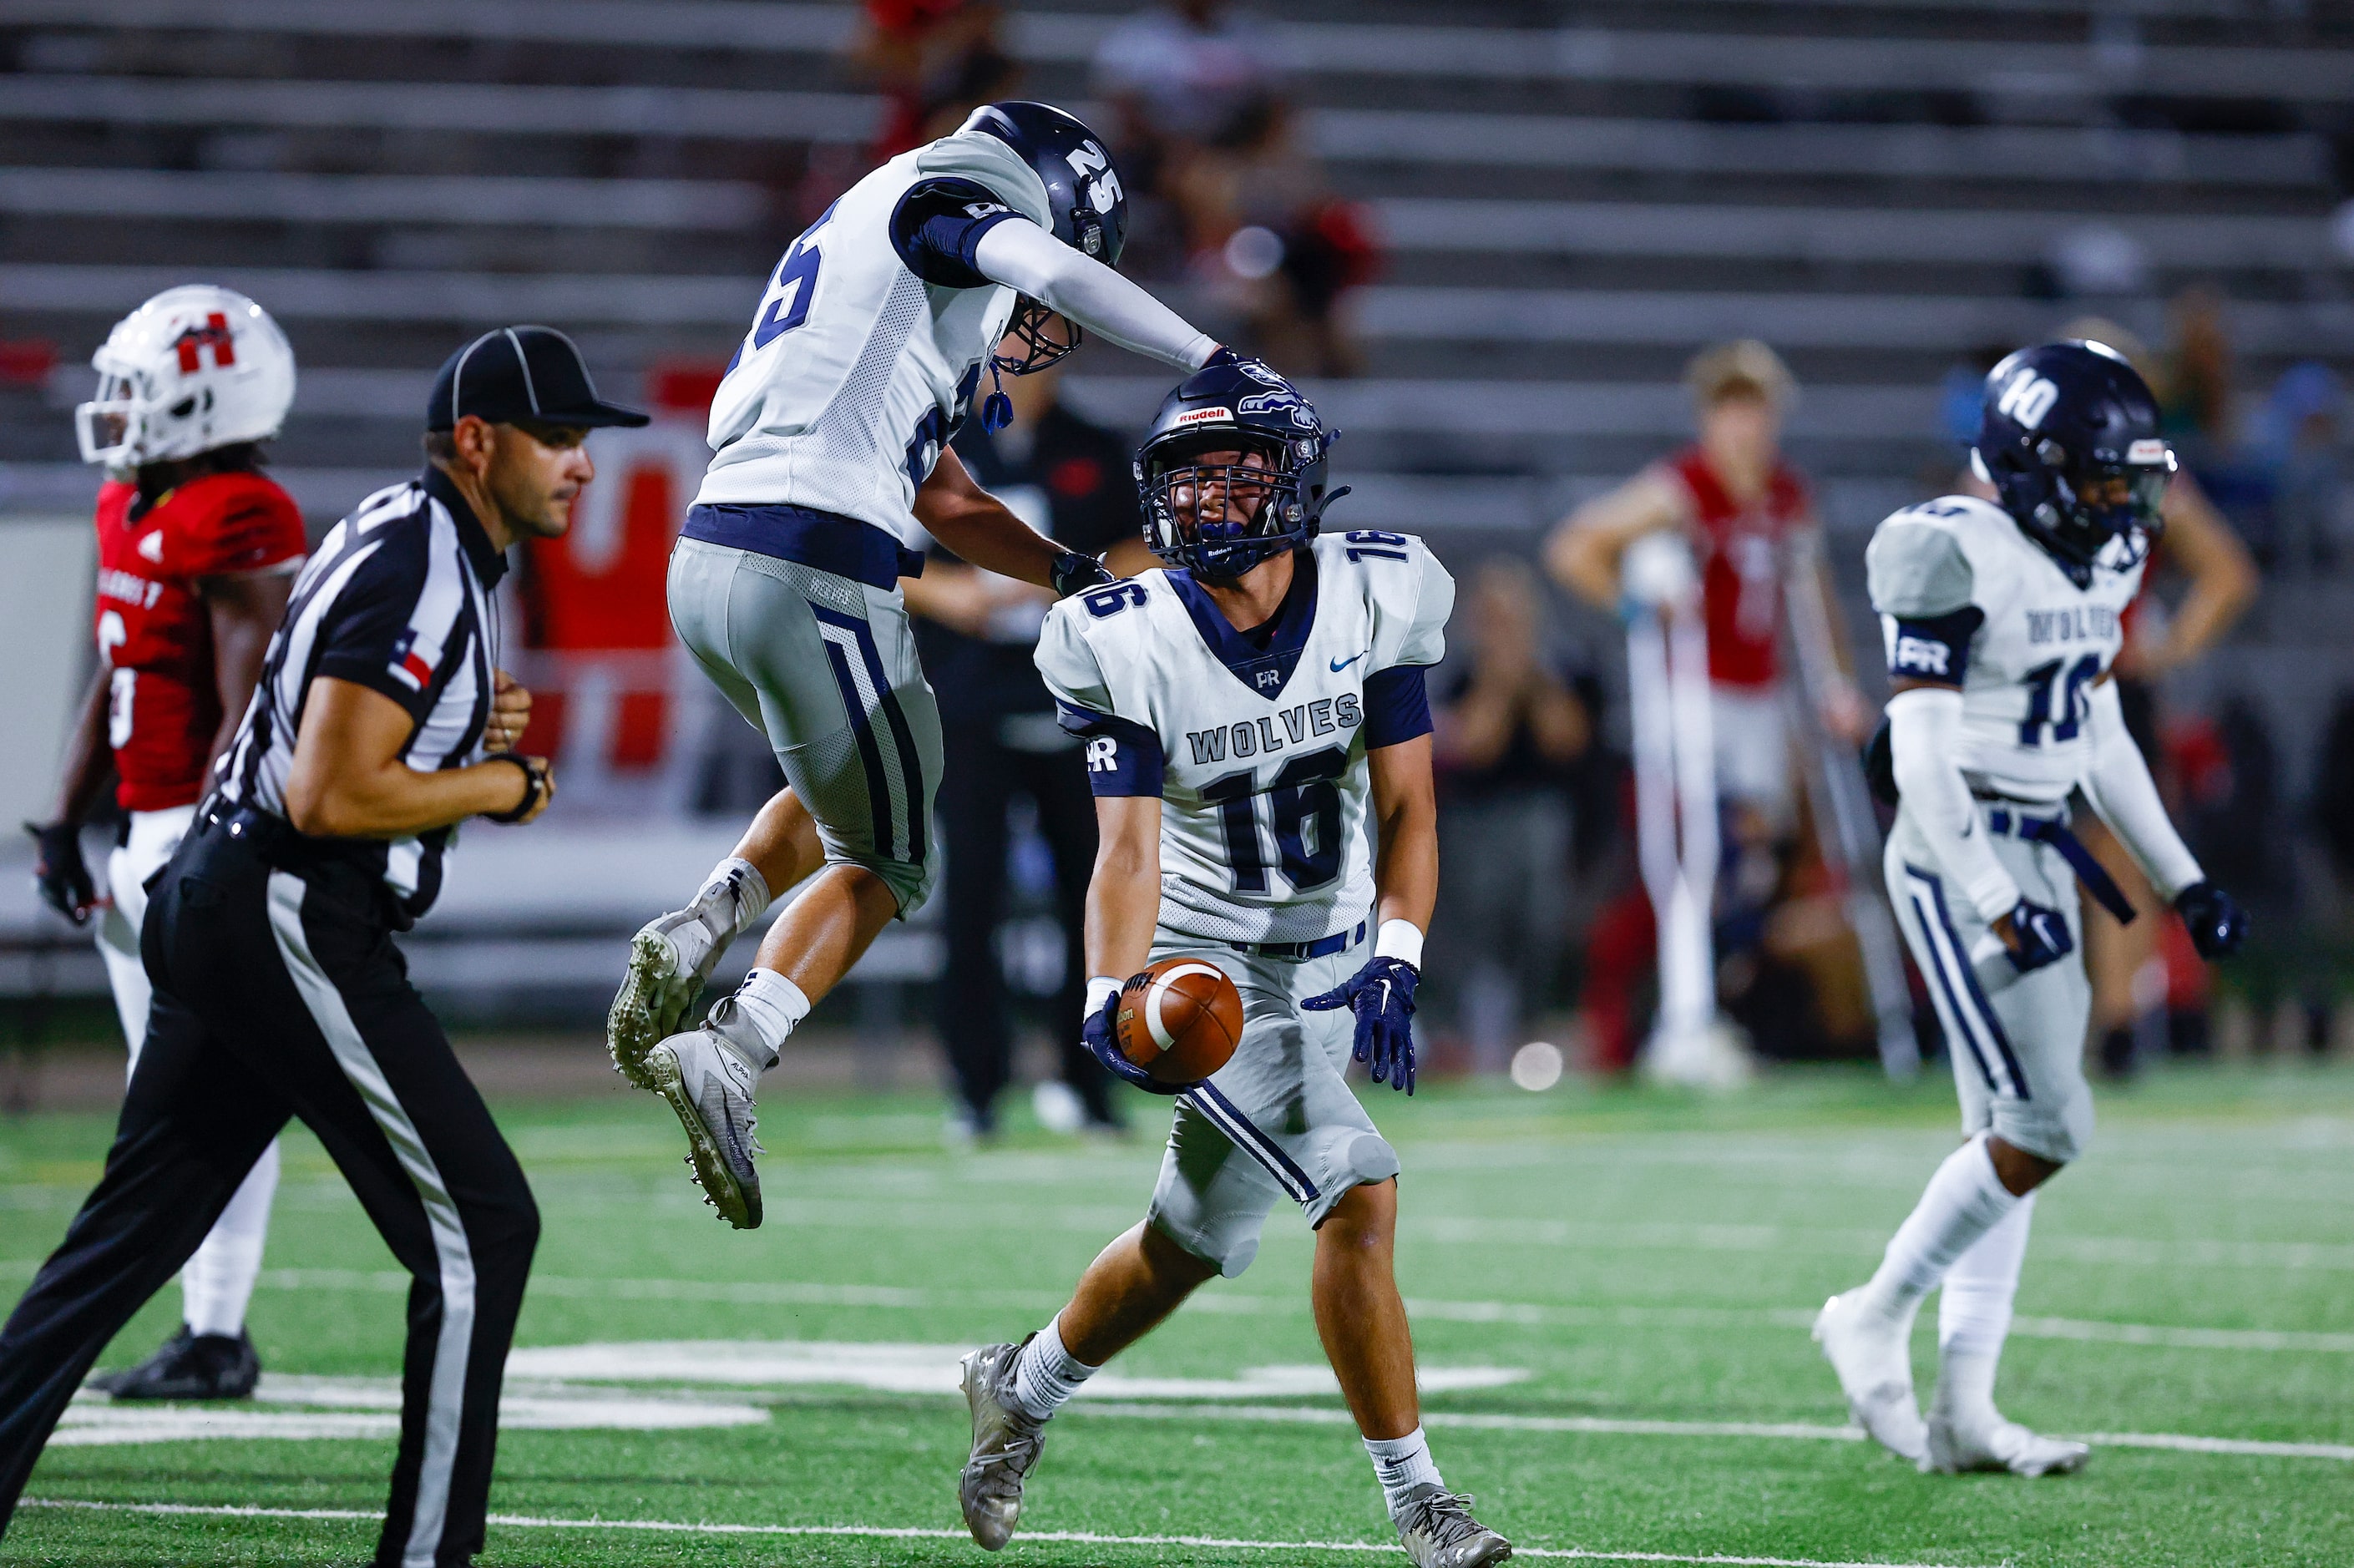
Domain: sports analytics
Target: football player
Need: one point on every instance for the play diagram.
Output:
(1256, 725)
(830, 434)
(2002, 621)
(196, 550)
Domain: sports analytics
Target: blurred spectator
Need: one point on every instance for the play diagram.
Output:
(2300, 444)
(1071, 480)
(1751, 524)
(935, 61)
(1210, 142)
(1509, 728)
(2194, 381)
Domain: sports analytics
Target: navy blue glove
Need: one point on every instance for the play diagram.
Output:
(1382, 996)
(1102, 1042)
(2218, 925)
(1075, 573)
(61, 876)
(2041, 936)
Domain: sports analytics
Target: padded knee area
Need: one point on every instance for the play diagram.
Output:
(1227, 1243)
(2060, 1133)
(1364, 1159)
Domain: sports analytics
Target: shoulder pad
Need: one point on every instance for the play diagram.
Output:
(1916, 564)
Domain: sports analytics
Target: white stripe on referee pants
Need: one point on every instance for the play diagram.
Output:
(446, 1393)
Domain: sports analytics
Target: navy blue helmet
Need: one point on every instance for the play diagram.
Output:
(2070, 442)
(1085, 204)
(1220, 519)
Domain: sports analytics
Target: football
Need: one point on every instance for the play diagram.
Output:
(1180, 1020)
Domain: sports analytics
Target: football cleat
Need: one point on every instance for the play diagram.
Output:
(669, 961)
(709, 1085)
(1955, 1448)
(1438, 1531)
(1875, 1362)
(1005, 1444)
(189, 1366)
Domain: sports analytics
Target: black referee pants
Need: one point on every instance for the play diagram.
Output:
(279, 995)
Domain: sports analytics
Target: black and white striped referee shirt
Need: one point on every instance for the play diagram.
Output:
(396, 598)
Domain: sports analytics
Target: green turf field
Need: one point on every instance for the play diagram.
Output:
(1609, 1288)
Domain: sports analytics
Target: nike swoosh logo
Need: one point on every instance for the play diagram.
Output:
(1340, 664)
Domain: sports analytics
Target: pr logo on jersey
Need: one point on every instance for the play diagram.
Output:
(1921, 656)
(407, 664)
(1103, 755)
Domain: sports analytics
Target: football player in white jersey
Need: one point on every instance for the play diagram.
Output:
(2002, 622)
(829, 438)
(1253, 715)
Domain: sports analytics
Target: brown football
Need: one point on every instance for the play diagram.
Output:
(1180, 1020)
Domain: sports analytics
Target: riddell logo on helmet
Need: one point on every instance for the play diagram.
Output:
(1220, 416)
(2147, 450)
(214, 335)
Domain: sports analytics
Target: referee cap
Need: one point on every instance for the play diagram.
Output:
(518, 373)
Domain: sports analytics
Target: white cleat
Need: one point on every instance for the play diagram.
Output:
(1874, 1358)
(1955, 1448)
(709, 1083)
(669, 961)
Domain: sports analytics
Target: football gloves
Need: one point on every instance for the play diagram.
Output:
(1101, 1038)
(1382, 996)
(2217, 923)
(1075, 573)
(2040, 937)
(60, 874)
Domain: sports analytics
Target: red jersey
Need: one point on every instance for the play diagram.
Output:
(154, 629)
(1741, 562)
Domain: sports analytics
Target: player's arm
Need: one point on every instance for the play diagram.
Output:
(976, 526)
(1020, 255)
(2222, 580)
(1124, 894)
(348, 780)
(2117, 782)
(1405, 818)
(61, 876)
(1583, 552)
(245, 609)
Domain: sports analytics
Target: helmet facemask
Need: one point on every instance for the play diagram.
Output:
(1223, 504)
(1033, 327)
(2088, 509)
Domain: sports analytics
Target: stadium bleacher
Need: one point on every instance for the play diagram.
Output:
(1570, 208)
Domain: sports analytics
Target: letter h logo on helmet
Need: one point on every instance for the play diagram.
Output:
(214, 335)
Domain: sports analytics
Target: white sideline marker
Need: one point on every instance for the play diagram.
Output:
(916, 1533)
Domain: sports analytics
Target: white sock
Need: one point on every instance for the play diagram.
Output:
(1402, 1464)
(733, 896)
(760, 1017)
(1974, 1316)
(1962, 1202)
(218, 1280)
(1046, 1374)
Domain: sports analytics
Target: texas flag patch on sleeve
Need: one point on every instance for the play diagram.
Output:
(410, 666)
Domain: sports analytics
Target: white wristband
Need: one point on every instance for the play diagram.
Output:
(1399, 939)
(1098, 988)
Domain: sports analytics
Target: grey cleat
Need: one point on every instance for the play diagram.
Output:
(1005, 1445)
(709, 1083)
(669, 961)
(1955, 1448)
(1873, 1360)
(1438, 1531)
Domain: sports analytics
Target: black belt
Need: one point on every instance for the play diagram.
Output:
(1321, 947)
(2053, 830)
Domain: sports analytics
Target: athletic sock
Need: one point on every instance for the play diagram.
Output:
(733, 896)
(1402, 1464)
(1973, 1317)
(1962, 1202)
(1046, 1374)
(760, 1017)
(218, 1280)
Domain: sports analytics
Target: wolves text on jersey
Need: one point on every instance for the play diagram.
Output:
(1269, 733)
(2071, 623)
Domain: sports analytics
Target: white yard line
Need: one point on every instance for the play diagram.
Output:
(915, 1533)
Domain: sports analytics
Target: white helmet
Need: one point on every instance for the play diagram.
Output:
(195, 368)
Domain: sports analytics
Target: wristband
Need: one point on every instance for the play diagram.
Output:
(1400, 939)
(534, 788)
(1100, 988)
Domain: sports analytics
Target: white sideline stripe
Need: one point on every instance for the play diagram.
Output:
(918, 1532)
(453, 1258)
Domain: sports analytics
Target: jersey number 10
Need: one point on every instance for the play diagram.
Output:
(2074, 705)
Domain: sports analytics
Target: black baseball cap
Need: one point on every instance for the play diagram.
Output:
(520, 373)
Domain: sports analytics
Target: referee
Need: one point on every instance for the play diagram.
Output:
(382, 721)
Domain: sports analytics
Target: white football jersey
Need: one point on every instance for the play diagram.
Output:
(855, 370)
(1964, 596)
(1255, 743)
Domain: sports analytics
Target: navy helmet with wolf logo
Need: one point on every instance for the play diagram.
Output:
(1239, 407)
(2070, 442)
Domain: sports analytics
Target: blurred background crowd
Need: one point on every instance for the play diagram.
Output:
(1561, 273)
